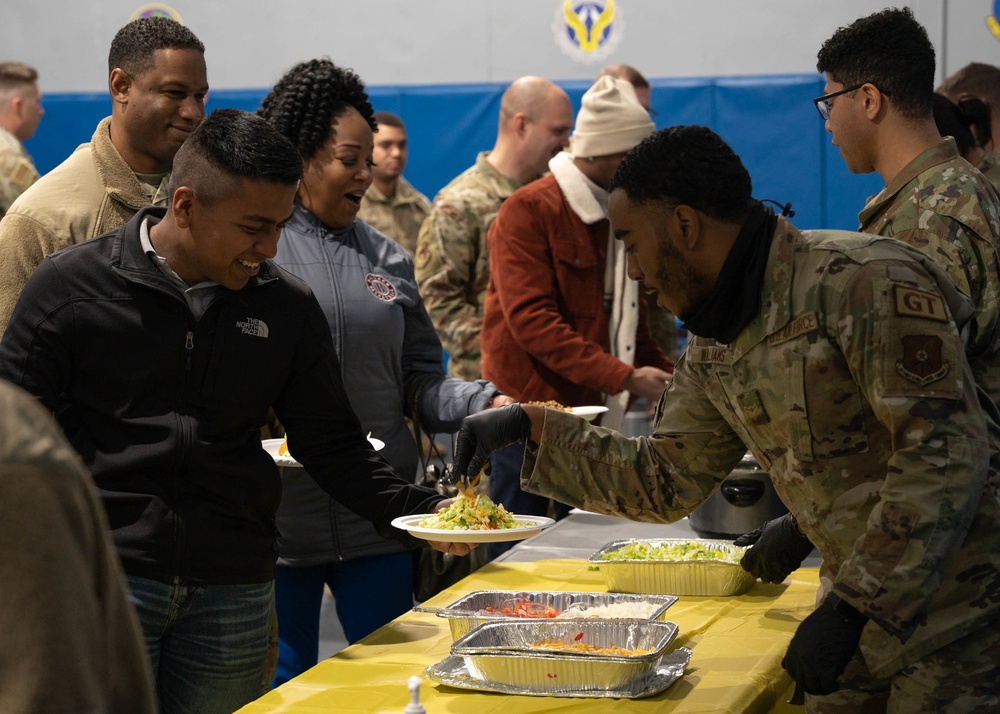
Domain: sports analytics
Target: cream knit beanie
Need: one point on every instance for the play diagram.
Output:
(610, 121)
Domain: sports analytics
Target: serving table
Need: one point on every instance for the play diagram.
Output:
(737, 644)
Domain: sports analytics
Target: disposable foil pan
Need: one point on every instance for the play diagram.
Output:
(508, 653)
(469, 611)
(453, 672)
(678, 577)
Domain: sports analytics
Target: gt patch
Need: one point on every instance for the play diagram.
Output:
(922, 362)
(911, 302)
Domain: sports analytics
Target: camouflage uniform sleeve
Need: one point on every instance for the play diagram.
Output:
(448, 250)
(23, 245)
(972, 264)
(17, 173)
(906, 357)
(658, 479)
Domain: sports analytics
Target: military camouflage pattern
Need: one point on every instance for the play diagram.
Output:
(990, 168)
(398, 216)
(959, 677)
(851, 390)
(17, 171)
(940, 205)
(452, 263)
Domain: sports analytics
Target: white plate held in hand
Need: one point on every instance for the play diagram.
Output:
(271, 446)
(534, 526)
(588, 413)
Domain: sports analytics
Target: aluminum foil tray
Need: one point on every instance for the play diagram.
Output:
(679, 577)
(453, 672)
(468, 612)
(506, 653)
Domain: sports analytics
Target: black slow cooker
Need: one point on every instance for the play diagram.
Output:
(744, 501)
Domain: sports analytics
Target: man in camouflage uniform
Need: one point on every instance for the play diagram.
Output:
(391, 205)
(158, 84)
(20, 112)
(878, 105)
(881, 68)
(837, 359)
(452, 262)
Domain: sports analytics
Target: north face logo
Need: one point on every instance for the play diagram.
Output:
(253, 326)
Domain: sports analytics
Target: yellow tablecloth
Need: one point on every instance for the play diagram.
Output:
(737, 644)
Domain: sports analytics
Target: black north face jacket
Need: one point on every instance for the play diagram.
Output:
(166, 410)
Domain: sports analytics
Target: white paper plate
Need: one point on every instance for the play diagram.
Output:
(588, 413)
(271, 447)
(412, 525)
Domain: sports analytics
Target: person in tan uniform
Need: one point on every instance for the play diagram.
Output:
(20, 112)
(452, 260)
(71, 637)
(391, 205)
(158, 83)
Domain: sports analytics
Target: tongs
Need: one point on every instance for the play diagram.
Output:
(467, 486)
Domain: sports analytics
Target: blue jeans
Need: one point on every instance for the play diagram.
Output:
(368, 593)
(207, 643)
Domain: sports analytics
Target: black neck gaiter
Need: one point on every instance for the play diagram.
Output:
(736, 298)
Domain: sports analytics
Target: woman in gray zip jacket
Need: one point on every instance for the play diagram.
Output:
(390, 356)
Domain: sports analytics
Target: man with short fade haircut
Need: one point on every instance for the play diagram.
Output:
(837, 358)
(879, 108)
(158, 83)
(977, 80)
(207, 335)
(452, 262)
(391, 205)
(20, 112)
(878, 104)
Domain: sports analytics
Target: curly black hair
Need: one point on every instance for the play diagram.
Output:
(688, 165)
(133, 46)
(305, 102)
(889, 49)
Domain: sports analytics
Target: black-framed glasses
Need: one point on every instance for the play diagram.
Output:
(823, 103)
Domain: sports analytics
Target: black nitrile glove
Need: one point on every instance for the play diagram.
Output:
(483, 433)
(823, 645)
(779, 547)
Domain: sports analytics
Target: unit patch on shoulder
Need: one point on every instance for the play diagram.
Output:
(922, 361)
(911, 302)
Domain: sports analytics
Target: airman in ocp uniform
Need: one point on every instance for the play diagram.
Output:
(452, 262)
(837, 358)
(879, 108)
(20, 112)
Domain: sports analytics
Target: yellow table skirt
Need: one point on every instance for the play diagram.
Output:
(737, 644)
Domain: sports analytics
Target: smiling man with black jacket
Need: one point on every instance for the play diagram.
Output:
(160, 348)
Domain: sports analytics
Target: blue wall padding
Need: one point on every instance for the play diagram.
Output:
(769, 120)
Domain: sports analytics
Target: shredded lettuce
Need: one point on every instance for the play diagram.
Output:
(690, 550)
(478, 513)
